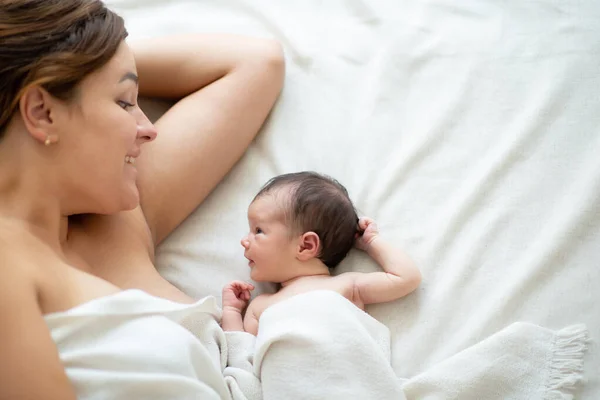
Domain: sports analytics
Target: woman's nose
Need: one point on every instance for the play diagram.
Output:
(145, 129)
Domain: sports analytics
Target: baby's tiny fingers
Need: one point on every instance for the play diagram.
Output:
(364, 222)
(245, 285)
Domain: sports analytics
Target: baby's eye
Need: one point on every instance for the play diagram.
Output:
(258, 230)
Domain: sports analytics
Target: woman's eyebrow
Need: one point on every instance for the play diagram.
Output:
(130, 76)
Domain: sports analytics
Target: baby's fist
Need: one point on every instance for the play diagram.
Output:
(369, 230)
(236, 295)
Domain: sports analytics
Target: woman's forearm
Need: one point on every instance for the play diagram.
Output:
(175, 66)
(226, 86)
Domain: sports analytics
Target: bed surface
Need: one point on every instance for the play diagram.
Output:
(470, 132)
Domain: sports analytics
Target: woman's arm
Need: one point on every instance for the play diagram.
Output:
(227, 85)
(30, 366)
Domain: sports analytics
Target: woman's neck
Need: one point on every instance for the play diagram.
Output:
(26, 196)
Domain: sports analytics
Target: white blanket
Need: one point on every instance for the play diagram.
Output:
(469, 130)
(341, 352)
(316, 345)
(131, 345)
(337, 350)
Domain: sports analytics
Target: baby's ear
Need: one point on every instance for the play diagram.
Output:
(309, 246)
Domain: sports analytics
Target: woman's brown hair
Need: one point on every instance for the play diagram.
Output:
(54, 44)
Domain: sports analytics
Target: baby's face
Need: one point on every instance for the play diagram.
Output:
(268, 246)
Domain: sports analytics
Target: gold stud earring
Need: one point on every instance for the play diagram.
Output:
(48, 142)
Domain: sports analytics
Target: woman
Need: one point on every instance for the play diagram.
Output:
(89, 186)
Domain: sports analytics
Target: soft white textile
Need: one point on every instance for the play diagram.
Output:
(336, 350)
(131, 345)
(316, 345)
(340, 352)
(469, 130)
(521, 362)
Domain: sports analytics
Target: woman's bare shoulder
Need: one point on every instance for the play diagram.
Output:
(19, 273)
(27, 261)
(34, 270)
(24, 335)
(19, 247)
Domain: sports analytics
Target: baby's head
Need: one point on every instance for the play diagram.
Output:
(299, 224)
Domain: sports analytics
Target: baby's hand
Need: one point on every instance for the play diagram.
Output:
(236, 295)
(369, 230)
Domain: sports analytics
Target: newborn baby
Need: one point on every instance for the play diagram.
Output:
(301, 226)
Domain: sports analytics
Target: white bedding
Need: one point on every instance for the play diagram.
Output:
(470, 131)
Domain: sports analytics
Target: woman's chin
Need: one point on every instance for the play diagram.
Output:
(130, 198)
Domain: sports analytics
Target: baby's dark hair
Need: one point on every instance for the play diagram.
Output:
(317, 203)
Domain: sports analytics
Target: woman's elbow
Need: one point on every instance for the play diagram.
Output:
(271, 58)
(276, 60)
(273, 53)
(414, 280)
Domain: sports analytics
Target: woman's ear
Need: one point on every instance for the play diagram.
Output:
(309, 246)
(36, 108)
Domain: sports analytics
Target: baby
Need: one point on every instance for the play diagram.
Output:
(301, 226)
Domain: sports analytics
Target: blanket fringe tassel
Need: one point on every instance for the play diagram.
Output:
(566, 362)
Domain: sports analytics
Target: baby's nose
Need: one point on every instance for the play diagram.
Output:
(245, 242)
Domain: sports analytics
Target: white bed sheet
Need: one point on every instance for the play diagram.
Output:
(470, 131)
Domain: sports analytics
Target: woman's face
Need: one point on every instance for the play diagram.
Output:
(101, 134)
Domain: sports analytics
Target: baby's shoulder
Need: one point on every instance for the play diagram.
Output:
(344, 281)
(342, 284)
(261, 303)
(346, 286)
(264, 297)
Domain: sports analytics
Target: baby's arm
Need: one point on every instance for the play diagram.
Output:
(235, 298)
(401, 275)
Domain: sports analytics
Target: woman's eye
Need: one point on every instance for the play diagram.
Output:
(124, 105)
